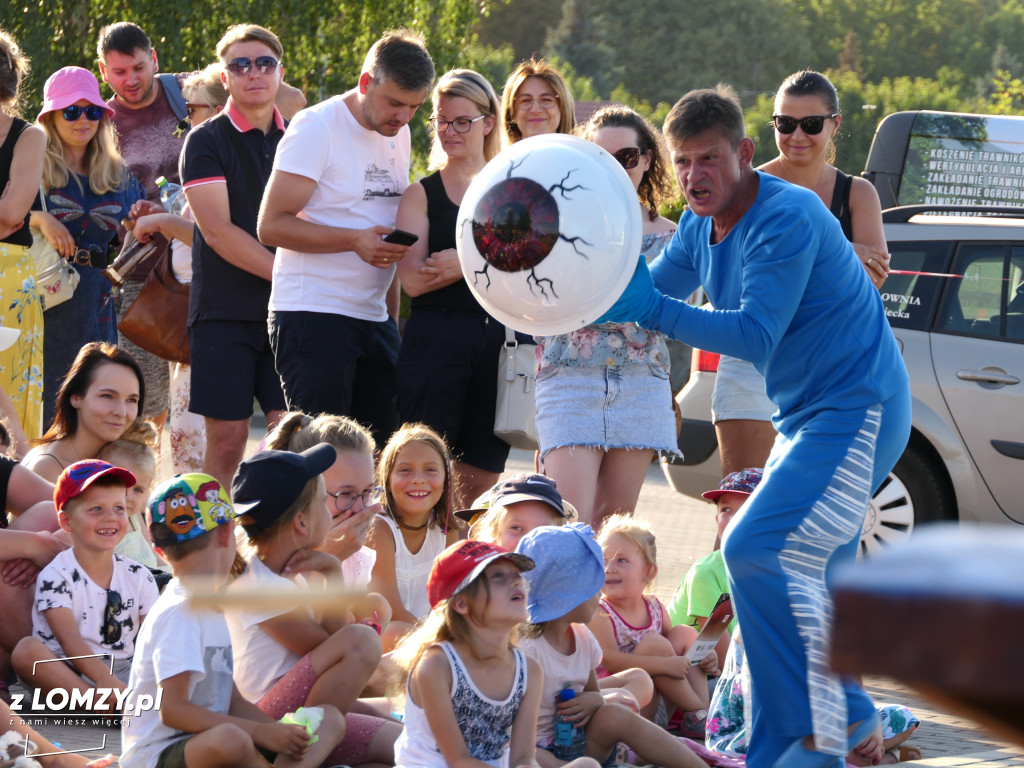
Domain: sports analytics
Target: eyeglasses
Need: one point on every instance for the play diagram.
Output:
(547, 101)
(191, 107)
(343, 502)
(627, 157)
(242, 65)
(460, 124)
(111, 626)
(92, 113)
(811, 125)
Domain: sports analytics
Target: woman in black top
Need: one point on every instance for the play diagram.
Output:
(447, 366)
(22, 147)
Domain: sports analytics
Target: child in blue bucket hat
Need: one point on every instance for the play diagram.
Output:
(565, 587)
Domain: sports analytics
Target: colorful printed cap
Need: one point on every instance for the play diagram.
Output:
(81, 475)
(187, 506)
(457, 567)
(744, 481)
(569, 571)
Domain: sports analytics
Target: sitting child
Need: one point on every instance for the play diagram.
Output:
(184, 653)
(517, 505)
(471, 695)
(705, 582)
(89, 601)
(634, 630)
(565, 587)
(287, 657)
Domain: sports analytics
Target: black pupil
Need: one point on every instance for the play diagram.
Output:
(512, 222)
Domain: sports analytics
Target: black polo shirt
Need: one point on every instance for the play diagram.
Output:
(220, 290)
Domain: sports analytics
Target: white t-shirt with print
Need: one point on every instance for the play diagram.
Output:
(176, 638)
(360, 176)
(561, 670)
(63, 583)
(260, 660)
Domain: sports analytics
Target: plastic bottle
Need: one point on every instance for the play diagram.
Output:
(569, 739)
(171, 196)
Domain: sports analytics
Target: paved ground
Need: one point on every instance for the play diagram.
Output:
(686, 531)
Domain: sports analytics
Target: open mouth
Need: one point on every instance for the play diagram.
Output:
(182, 521)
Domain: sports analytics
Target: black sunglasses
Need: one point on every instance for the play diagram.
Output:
(111, 626)
(243, 64)
(627, 157)
(811, 125)
(92, 113)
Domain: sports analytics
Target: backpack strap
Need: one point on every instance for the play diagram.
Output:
(174, 96)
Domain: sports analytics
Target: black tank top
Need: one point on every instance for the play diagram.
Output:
(841, 203)
(21, 236)
(443, 214)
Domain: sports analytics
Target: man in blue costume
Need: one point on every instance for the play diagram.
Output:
(790, 296)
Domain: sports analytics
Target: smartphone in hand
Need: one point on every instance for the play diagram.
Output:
(400, 237)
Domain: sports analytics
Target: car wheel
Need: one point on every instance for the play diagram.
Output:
(912, 494)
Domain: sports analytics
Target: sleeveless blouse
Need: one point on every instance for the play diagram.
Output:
(628, 637)
(486, 724)
(841, 203)
(412, 570)
(443, 214)
(22, 235)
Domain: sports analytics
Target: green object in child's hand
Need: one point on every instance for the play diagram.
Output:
(309, 718)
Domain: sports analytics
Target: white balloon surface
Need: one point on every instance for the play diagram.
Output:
(549, 234)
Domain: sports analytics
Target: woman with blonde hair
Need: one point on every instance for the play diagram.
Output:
(22, 146)
(536, 100)
(88, 189)
(447, 365)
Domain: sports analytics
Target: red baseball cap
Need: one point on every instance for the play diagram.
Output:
(459, 565)
(81, 475)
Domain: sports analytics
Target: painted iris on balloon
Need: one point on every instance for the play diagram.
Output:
(515, 226)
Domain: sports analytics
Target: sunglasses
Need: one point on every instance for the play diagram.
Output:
(811, 125)
(92, 113)
(111, 626)
(627, 157)
(242, 65)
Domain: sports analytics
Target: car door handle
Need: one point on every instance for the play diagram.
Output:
(990, 377)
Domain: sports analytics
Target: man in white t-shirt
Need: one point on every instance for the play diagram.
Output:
(338, 177)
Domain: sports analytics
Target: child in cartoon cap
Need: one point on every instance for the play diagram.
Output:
(286, 658)
(89, 600)
(517, 505)
(565, 587)
(184, 654)
(470, 693)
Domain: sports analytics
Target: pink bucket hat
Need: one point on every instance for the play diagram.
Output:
(68, 85)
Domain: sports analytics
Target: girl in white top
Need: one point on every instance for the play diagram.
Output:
(416, 526)
(285, 658)
(483, 693)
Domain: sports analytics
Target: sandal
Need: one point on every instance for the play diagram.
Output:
(910, 752)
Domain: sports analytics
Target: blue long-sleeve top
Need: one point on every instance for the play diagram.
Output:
(789, 295)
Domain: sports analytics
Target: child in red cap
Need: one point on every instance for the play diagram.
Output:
(89, 601)
(470, 693)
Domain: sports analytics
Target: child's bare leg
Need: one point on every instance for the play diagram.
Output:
(52, 675)
(635, 680)
(58, 760)
(330, 733)
(223, 746)
(343, 663)
(612, 723)
(682, 638)
(679, 692)
(381, 678)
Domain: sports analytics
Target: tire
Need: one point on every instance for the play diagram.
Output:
(915, 492)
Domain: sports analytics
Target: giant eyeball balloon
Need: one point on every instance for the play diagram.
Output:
(549, 234)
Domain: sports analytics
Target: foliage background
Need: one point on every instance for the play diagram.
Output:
(883, 55)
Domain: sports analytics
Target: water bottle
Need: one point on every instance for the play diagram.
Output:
(171, 196)
(569, 739)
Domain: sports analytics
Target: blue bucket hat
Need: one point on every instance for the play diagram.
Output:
(569, 569)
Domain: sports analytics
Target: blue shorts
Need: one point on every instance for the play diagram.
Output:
(610, 406)
(740, 392)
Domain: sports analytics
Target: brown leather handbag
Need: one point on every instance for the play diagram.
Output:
(157, 321)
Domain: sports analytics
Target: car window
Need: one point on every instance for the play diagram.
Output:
(911, 292)
(988, 299)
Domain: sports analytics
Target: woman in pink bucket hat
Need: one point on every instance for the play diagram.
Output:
(88, 191)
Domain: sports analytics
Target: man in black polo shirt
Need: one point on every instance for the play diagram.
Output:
(225, 165)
